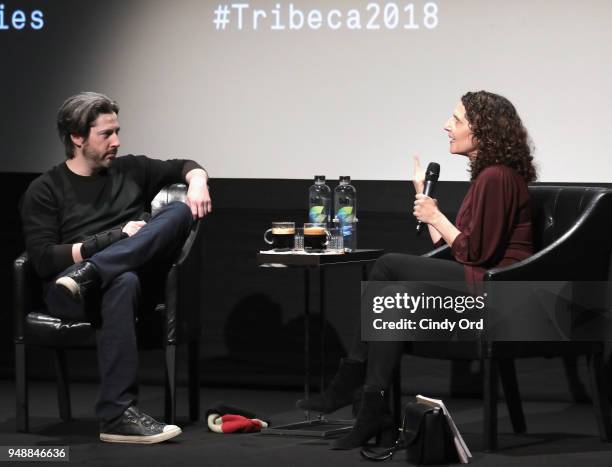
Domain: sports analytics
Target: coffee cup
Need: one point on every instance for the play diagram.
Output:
(281, 236)
(316, 237)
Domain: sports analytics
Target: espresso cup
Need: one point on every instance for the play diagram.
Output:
(282, 236)
(316, 237)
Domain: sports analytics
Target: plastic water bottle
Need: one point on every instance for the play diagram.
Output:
(345, 212)
(319, 200)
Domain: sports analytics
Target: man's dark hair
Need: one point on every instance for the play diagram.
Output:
(499, 134)
(77, 115)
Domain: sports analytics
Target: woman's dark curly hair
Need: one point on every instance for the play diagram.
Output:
(499, 134)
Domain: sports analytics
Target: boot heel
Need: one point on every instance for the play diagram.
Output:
(387, 437)
(373, 420)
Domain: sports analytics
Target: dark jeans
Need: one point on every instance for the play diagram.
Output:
(133, 272)
(383, 357)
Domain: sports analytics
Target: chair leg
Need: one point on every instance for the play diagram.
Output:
(194, 380)
(489, 370)
(507, 373)
(576, 387)
(170, 399)
(396, 397)
(21, 386)
(599, 395)
(63, 390)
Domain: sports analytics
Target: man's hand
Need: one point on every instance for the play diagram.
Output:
(76, 252)
(133, 227)
(198, 197)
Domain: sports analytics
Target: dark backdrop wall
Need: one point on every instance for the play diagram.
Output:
(253, 319)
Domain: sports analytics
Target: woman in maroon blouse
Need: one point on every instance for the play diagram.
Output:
(493, 228)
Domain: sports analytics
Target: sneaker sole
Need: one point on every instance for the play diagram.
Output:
(69, 287)
(131, 439)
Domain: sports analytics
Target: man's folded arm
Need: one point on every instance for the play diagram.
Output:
(41, 227)
(100, 241)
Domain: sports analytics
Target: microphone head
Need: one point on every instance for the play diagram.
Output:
(433, 172)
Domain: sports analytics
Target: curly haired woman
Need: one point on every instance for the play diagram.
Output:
(493, 228)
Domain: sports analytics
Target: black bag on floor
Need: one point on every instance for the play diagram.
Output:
(425, 435)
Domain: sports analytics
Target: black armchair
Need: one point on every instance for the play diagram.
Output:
(572, 239)
(178, 318)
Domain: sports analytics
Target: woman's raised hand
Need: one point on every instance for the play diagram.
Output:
(418, 175)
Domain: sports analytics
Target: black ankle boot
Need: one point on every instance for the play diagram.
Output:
(341, 390)
(373, 419)
(81, 282)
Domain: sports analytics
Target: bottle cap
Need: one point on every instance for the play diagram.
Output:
(319, 178)
(345, 179)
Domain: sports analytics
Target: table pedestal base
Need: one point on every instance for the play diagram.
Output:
(320, 428)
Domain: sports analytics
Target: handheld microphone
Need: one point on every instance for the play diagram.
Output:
(431, 177)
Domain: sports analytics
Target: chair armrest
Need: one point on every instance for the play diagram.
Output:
(182, 302)
(190, 244)
(443, 252)
(183, 290)
(26, 286)
(581, 254)
(167, 195)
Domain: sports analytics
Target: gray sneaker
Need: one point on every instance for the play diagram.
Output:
(136, 427)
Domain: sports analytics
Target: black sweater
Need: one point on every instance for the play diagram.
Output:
(60, 207)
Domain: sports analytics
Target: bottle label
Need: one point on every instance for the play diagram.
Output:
(347, 230)
(345, 215)
(317, 214)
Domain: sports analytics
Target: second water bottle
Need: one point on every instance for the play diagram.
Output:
(345, 211)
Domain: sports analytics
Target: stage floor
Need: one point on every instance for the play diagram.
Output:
(559, 434)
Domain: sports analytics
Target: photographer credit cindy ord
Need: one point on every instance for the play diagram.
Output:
(502, 311)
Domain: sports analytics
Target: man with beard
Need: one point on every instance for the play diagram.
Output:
(99, 254)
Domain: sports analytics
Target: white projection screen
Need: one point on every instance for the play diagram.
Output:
(279, 89)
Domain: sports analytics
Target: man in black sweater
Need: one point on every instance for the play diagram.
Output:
(92, 241)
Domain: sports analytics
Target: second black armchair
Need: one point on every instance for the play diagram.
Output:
(572, 232)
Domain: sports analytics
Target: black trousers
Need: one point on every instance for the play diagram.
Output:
(133, 272)
(383, 357)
